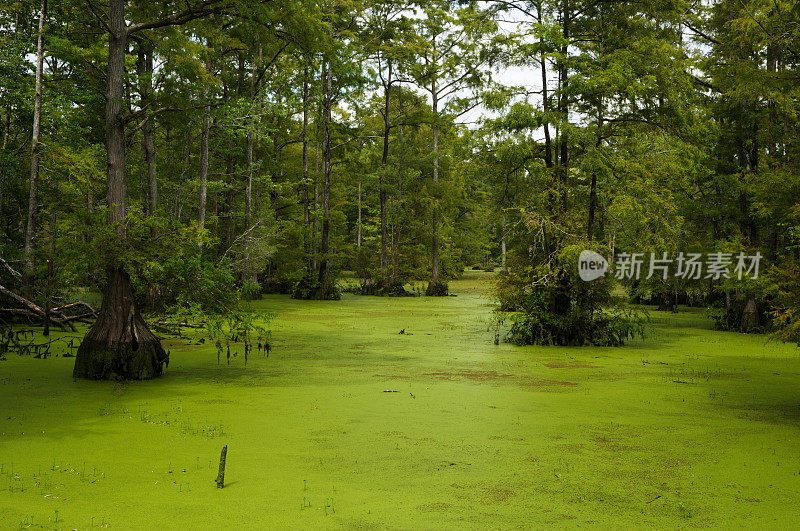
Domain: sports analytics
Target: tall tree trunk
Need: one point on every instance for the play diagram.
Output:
(548, 144)
(314, 241)
(144, 71)
(563, 105)
(247, 273)
(435, 221)
(226, 208)
(563, 98)
(115, 120)
(144, 67)
(50, 254)
(323, 288)
(307, 232)
(503, 240)
(593, 184)
(6, 132)
(204, 134)
(33, 195)
(248, 206)
(400, 161)
(382, 179)
(598, 143)
(119, 344)
(358, 227)
(187, 161)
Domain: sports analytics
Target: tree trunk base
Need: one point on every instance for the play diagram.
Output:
(436, 288)
(119, 345)
(101, 360)
(666, 303)
(749, 321)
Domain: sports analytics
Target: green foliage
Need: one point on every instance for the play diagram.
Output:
(669, 127)
(436, 289)
(308, 290)
(786, 302)
(251, 290)
(168, 269)
(553, 306)
(233, 327)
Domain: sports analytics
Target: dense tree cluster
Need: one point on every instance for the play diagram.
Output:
(174, 152)
(659, 127)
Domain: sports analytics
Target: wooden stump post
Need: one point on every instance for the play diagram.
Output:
(221, 475)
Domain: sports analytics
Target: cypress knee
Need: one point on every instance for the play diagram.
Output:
(221, 475)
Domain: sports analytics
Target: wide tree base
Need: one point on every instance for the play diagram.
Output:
(309, 290)
(436, 289)
(383, 288)
(119, 345)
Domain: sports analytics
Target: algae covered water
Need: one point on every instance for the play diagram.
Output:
(402, 413)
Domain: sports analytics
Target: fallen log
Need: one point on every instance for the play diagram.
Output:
(85, 305)
(181, 325)
(22, 300)
(36, 316)
(33, 307)
(82, 317)
(20, 311)
(14, 274)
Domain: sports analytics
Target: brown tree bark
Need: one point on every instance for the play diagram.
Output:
(226, 206)
(144, 67)
(204, 133)
(749, 320)
(387, 85)
(248, 206)
(6, 132)
(247, 272)
(399, 196)
(435, 221)
(114, 118)
(307, 232)
(33, 195)
(435, 287)
(323, 288)
(119, 344)
(359, 223)
(548, 144)
(503, 241)
(563, 104)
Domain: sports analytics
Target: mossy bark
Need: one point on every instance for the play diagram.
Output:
(749, 321)
(119, 344)
(436, 288)
(666, 302)
(220, 481)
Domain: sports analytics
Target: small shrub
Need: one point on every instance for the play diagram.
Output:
(437, 289)
(553, 306)
(786, 302)
(251, 290)
(309, 290)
